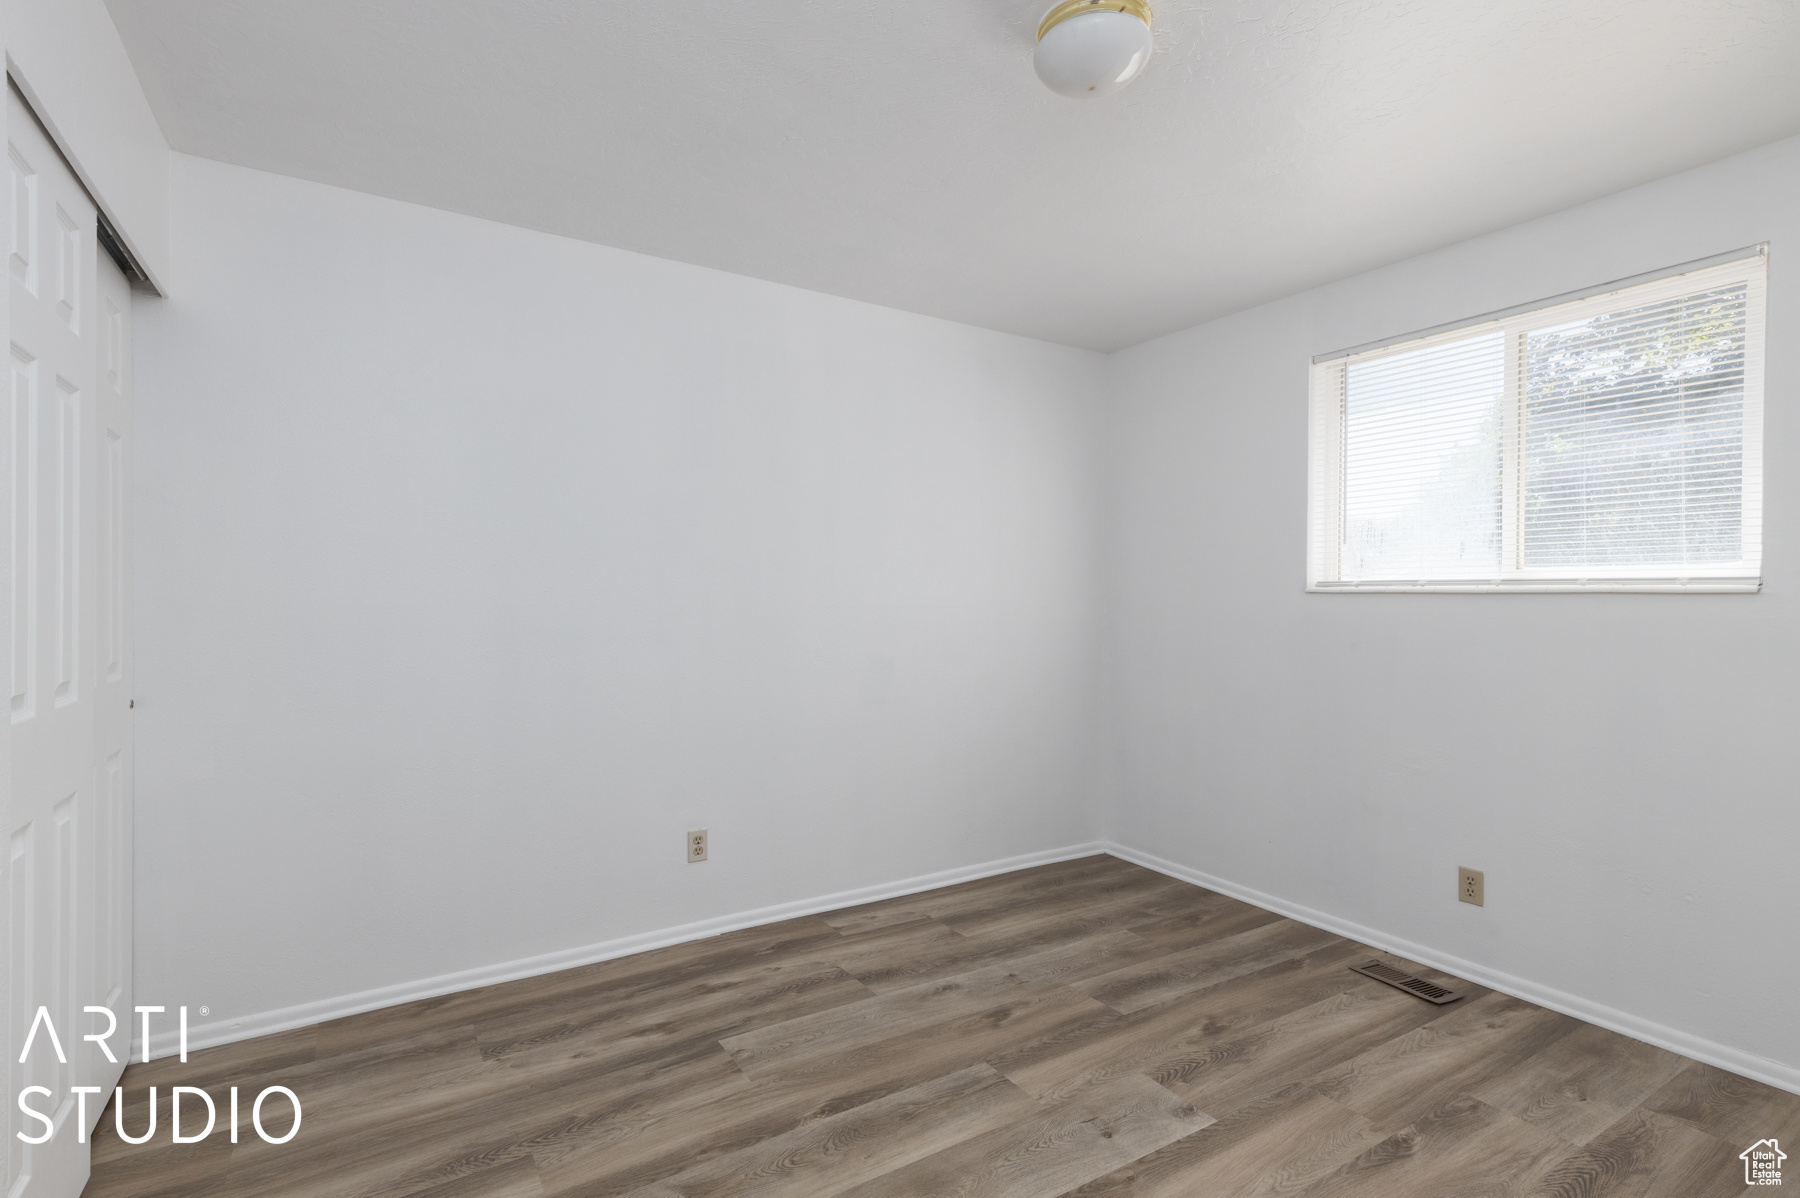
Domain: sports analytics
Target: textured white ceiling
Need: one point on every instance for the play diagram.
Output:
(904, 153)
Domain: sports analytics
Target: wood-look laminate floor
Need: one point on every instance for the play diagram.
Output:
(1086, 1028)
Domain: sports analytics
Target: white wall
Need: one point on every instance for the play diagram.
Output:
(71, 64)
(477, 565)
(1625, 768)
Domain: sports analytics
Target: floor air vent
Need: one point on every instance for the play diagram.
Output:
(1429, 991)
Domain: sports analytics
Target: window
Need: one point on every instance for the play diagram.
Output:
(1606, 442)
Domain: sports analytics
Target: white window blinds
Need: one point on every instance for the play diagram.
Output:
(1610, 442)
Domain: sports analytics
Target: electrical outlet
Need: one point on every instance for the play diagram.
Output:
(1471, 886)
(696, 845)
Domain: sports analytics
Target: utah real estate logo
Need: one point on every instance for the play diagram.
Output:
(1762, 1163)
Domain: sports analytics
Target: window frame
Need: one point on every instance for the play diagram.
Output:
(1326, 441)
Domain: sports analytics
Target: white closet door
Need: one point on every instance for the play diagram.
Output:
(51, 812)
(110, 950)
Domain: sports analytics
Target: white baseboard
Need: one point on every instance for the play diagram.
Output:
(266, 1023)
(1775, 1073)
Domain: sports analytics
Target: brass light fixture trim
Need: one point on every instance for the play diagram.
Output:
(1074, 8)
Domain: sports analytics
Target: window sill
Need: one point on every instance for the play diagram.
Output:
(1543, 586)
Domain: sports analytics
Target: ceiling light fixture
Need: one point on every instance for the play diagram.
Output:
(1092, 48)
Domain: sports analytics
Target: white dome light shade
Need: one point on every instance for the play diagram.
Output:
(1092, 48)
